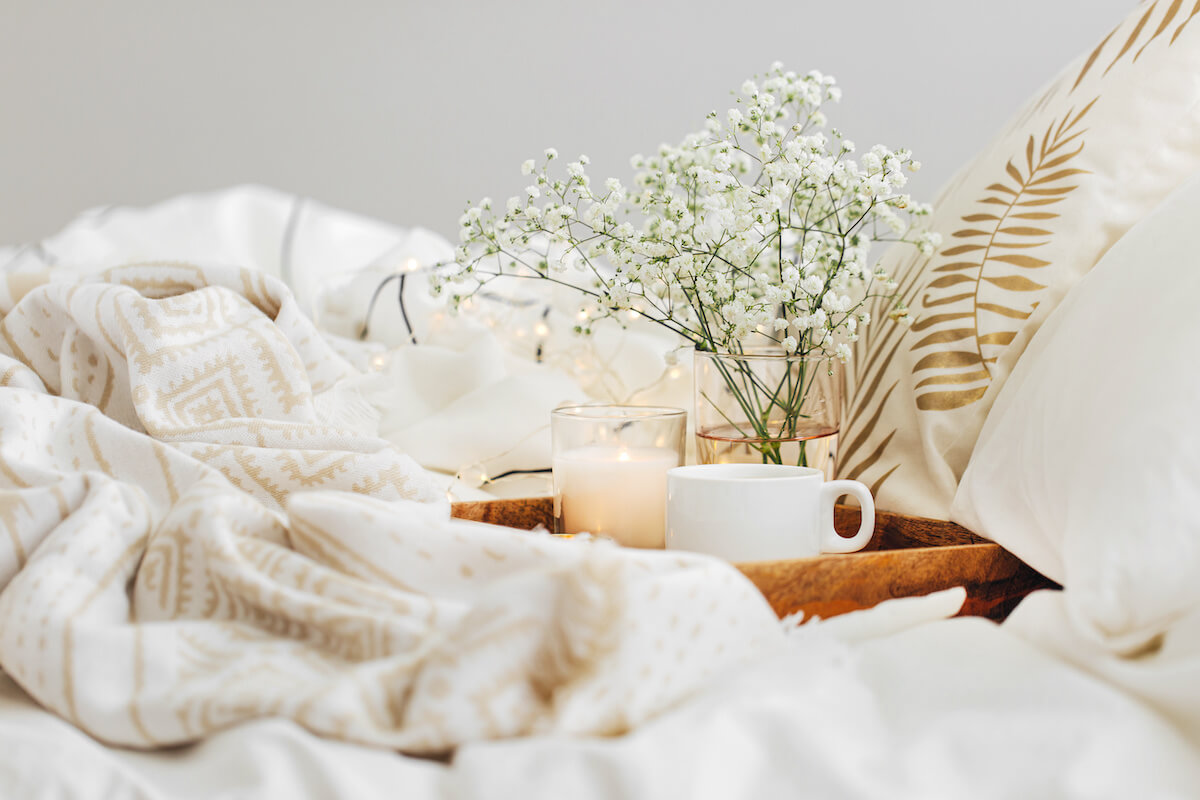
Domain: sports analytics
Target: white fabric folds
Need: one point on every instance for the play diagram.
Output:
(1089, 467)
(188, 545)
(242, 578)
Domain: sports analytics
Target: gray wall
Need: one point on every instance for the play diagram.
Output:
(406, 110)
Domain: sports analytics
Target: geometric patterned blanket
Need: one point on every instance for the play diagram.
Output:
(189, 539)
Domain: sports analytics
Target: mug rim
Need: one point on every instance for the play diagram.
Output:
(721, 472)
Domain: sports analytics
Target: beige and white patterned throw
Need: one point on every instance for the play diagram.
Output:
(185, 543)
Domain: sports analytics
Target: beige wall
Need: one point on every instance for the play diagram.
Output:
(406, 110)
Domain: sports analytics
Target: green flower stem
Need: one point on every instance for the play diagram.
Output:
(757, 401)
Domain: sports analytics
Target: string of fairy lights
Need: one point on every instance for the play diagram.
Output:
(581, 360)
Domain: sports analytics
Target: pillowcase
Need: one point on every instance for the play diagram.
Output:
(1087, 158)
(1088, 468)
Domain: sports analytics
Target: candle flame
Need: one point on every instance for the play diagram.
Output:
(623, 455)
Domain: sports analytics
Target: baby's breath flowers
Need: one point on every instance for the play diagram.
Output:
(755, 230)
(758, 226)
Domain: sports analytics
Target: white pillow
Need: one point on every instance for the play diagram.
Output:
(1088, 467)
(1087, 158)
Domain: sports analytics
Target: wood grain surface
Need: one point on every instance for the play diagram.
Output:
(525, 513)
(908, 556)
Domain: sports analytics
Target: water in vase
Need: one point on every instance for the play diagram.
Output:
(723, 445)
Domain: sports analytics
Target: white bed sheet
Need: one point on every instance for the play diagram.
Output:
(946, 710)
(950, 709)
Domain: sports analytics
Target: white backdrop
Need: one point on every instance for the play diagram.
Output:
(406, 110)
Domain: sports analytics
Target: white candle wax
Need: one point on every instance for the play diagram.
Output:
(619, 492)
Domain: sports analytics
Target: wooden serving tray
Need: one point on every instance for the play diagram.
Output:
(907, 556)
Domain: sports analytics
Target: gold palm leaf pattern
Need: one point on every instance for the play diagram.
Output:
(997, 250)
(1142, 25)
(985, 284)
(872, 356)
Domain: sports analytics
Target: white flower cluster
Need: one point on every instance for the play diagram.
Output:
(756, 229)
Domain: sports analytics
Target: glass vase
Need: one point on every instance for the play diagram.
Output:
(763, 406)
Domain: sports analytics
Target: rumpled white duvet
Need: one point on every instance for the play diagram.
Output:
(224, 574)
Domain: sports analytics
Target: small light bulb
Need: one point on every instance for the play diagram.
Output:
(542, 329)
(411, 265)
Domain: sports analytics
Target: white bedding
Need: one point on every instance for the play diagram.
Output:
(841, 709)
(950, 710)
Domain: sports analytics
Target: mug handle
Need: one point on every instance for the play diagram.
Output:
(830, 492)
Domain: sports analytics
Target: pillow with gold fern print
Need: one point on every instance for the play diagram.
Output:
(1087, 158)
(1088, 468)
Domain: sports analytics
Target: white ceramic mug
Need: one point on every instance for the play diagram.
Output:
(760, 512)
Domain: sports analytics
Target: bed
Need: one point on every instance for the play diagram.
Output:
(229, 568)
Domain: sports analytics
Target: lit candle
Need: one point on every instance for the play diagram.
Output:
(619, 492)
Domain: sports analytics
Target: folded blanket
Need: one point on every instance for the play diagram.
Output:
(473, 398)
(189, 540)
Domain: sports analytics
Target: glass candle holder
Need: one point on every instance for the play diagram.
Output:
(610, 469)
